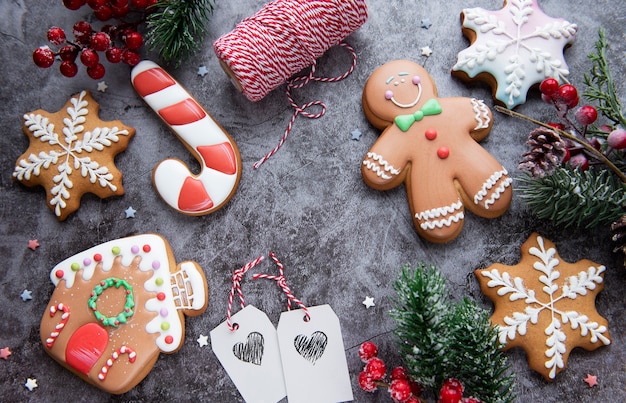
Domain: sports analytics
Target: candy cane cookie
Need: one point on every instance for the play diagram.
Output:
(209, 143)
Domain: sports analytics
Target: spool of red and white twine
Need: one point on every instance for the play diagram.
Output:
(281, 39)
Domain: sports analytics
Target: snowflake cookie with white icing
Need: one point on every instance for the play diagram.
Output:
(513, 49)
(431, 145)
(546, 305)
(116, 306)
(71, 153)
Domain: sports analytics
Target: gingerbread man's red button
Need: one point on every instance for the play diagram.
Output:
(431, 134)
(443, 152)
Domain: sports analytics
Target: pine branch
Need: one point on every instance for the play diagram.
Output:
(175, 30)
(573, 198)
(439, 339)
(487, 374)
(422, 331)
(600, 84)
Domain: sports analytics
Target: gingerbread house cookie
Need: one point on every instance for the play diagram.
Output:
(431, 145)
(116, 306)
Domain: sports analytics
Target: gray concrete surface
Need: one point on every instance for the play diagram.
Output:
(339, 240)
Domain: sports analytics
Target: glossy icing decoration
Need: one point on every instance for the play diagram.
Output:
(138, 272)
(209, 143)
(432, 147)
(518, 46)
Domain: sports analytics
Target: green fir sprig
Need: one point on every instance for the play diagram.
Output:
(176, 28)
(574, 198)
(600, 84)
(440, 339)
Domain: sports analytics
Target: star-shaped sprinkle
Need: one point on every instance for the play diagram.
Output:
(203, 340)
(202, 71)
(356, 134)
(26, 295)
(102, 86)
(591, 380)
(130, 212)
(546, 305)
(72, 152)
(518, 46)
(5, 353)
(426, 51)
(425, 23)
(31, 383)
(369, 302)
(33, 244)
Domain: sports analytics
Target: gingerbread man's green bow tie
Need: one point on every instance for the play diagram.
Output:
(431, 107)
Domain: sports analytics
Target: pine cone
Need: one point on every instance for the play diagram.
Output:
(546, 153)
(619, 236)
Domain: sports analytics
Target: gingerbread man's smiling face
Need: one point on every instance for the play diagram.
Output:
(397, 87)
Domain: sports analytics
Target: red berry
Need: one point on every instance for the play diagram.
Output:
(68, 53)
(96, 72)
(103, 13)
(88, 57)
(74, 4)
(567, 94)
(100, 41)
(43, 57)
(376, 368)
(68, 68)
(82, 31)
(399, 373)
(400, 390)
(139, 3)
(548, 86)
(586, 115)
(114, 55)
(367, 351)
(130, 57)
(559, 126)
(412, 399)
(447, 395)
(455, 384)
(133, 40)
(96, 4)
(567, 156)
(617, 139)
(120, 11)
(366, 382)
(56, 35)
(579, 161)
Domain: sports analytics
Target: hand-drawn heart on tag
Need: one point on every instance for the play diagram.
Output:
(252, 350)
(311, 348)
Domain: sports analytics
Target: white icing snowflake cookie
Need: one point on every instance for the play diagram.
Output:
(513, 49)
(546, 305)
(71, 153)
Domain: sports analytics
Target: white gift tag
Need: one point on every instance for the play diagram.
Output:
(313, 356)
(250, 355)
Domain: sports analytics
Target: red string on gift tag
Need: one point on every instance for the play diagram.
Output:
(299, 82)
(282, 283)
(236, 287)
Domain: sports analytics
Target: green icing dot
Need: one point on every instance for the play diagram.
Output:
(75, 266)
(165, 326)
(158, 281)
(116, 250)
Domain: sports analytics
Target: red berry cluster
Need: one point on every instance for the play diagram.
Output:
(564, 97)
(119, 42)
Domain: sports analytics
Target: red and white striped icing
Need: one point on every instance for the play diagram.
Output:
(212, 146)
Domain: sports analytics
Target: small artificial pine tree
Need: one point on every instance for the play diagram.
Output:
(440, 339)
(176, 28)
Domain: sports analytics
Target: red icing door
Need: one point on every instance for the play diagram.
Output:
(86, 346)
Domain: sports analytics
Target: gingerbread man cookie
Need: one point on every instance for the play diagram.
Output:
(430, 145)
(513, 49)
(71, 153)
(116, 306)
(546, 305)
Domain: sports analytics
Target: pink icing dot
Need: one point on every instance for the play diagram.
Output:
(388, 94)
(163, 312)
(416, 80)
(430, 134)
(59, 273)
(156, 264)
(134, 249)
(86, 261)
(443, 152)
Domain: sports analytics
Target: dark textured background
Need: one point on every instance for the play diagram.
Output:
(339, 240)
